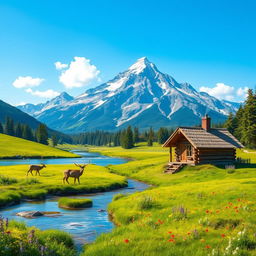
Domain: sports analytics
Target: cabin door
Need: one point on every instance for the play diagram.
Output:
(183, 151)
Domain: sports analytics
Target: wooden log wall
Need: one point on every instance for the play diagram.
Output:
(215, 155)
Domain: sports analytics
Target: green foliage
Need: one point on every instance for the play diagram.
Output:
(66, 202)
(163, 134)
(145, 203)
(42, 134)
(243, 124)
(17, 239)
(9, 127)
(1, 128)
(150, 137)
(7, 180)
(127, 138)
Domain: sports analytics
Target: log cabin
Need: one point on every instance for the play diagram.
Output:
(201, 145)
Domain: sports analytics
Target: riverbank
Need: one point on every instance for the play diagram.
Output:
(203, 210)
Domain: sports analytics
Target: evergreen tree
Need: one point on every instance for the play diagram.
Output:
(150, 137)
(1, 128)
(136, 135)
(9, 127)
(27, 133)
(162, 135)
(127, 138)
(18, 130)
(54, 141)
(230, 124)
(42, 134)
(249, 121)
(238, 121)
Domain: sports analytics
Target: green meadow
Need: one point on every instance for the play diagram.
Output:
(202, 210)
(13, 147)
(16, 186)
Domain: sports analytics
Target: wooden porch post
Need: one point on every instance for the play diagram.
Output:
(170, 158)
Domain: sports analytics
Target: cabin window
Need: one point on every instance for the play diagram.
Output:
(189, 150)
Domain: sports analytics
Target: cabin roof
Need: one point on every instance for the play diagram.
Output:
(200, 138)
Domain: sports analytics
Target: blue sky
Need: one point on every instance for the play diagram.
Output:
(201, 42)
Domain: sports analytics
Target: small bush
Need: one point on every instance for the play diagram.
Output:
(9, 198)
(146, 203)
(56, 236)
(221, 223)
(7, 180)
(71, 203)
(118, 196)
(30, 181)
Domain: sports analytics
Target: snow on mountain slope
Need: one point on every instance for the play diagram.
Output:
(141, 96)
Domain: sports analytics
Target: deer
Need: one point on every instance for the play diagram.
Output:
(74, 173)
(36, 168)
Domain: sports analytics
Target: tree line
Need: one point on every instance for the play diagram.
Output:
(243, 124)
(126, 138)
(17, 129)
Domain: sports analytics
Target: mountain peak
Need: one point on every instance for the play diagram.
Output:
(140, 65)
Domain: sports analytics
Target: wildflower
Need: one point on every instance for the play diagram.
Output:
(207, 211)
(172, 236)
(189, 233)
(207, 246)
(207, 230)
(171, 240)
(218, 211)
(126, 241)
(8, 232)
(223, 235)
(169, 232)
(202, 240)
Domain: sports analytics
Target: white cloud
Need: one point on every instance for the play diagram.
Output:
(27, 81)
(43, 94)
(242, 92)
(80, 73)
(59, 65)
(226, 92)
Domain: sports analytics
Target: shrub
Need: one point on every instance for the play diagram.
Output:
(7, 180)
(145, 203)
(66, 202)
(9, 198)
(30, 181)
(56, 236)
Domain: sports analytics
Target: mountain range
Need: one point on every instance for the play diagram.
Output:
(141, 96)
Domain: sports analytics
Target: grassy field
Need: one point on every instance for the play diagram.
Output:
(202, 210)
(15, 185)
(13, 147)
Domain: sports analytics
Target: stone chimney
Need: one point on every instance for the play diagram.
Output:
(206, 123)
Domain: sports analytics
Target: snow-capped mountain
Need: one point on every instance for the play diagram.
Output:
(142, 96)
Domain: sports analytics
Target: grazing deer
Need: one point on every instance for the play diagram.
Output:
(36, 168)
(74, 173)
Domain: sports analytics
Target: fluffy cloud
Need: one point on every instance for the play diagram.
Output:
(79, 73)
(59, 65)
(48, 94)
(27, 82)
(226, 92)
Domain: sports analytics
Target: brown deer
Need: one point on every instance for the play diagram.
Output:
(36, 168)
(74, 173)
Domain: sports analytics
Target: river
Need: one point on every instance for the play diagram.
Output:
(84, 225)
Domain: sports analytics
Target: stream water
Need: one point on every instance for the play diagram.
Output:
(84, 225)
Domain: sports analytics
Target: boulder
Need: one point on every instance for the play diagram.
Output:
(29, 214)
